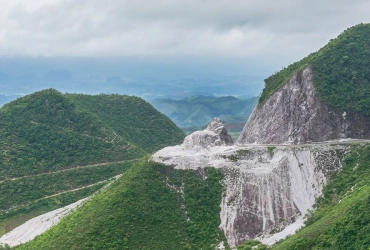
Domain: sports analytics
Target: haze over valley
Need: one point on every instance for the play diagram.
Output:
(223, 125)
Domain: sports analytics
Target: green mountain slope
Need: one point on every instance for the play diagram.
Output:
(151, 207)
(132, 118)
(59, 148)
(341, 75)
(45, 131)
(341, 71)
(200, 110)
(342, 218)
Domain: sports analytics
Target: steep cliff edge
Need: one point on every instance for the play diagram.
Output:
(295, 114)
(324, 96)
(252, 191)
(265, 188)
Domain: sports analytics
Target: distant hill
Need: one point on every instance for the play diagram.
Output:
(261, 188)
(5, 78)
(4, 99)
(58, 75)
(53, 143)
(197, 111)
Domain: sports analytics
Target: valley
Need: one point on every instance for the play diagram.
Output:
(297, 177)
(195, 112)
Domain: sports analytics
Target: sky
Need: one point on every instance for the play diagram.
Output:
(270, 31)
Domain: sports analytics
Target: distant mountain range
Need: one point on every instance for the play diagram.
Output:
(198, 111)
(145, 78)
(200, 195)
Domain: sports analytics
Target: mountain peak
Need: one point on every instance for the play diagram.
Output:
(305, 101)
(340, 71)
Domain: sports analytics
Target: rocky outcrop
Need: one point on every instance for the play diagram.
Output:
(266, 188)
(38, 225)
(269, 189)
(198, 148)
(214, 135)
(294, 114)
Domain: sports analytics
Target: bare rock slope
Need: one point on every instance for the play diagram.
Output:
(214, 135)
(269, 189)
(266, 188)
(37, 225)
(294, 114)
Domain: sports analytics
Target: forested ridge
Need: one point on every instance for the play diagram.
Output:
(151, 207)
(340, 69)
(54, 143)
(197, 111)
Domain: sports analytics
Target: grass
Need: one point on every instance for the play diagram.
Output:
(25, 190)
(53, 143)
(151, 207)
(16, 217)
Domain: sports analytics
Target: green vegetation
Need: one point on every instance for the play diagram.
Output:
(240, 154)
(53, 144)
(252, 244)
(271, 150)
(49, 131)
(133, 119)
(341, 71)
(342, 218)
(194, 112)
(6, 247)
(151, 207)
(15, 217)
(201, 201)
(24, 190)
(45, 132)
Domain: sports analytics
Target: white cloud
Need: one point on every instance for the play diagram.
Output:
(242, 28)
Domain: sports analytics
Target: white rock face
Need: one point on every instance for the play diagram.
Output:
(266, 188)
(36, 226)
(214, 135)
(270, 189)
(294, 114)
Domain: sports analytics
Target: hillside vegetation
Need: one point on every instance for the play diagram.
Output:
(55, 146)
(342, 218)
(341, 71)
(131, 118)
(198, 111)
(151, 207)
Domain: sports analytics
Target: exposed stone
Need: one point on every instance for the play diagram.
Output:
(214, 135)
(269, 188)
(38, 225)
(266, 188)
(294, 114)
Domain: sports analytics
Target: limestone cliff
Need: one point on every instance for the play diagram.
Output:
(266, 188)
(294, 114)
(214, 135)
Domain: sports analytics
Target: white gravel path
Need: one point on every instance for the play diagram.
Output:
(37, 225)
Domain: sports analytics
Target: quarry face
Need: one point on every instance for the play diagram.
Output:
(266, 187)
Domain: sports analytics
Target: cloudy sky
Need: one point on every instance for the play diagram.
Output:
(269, 30)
